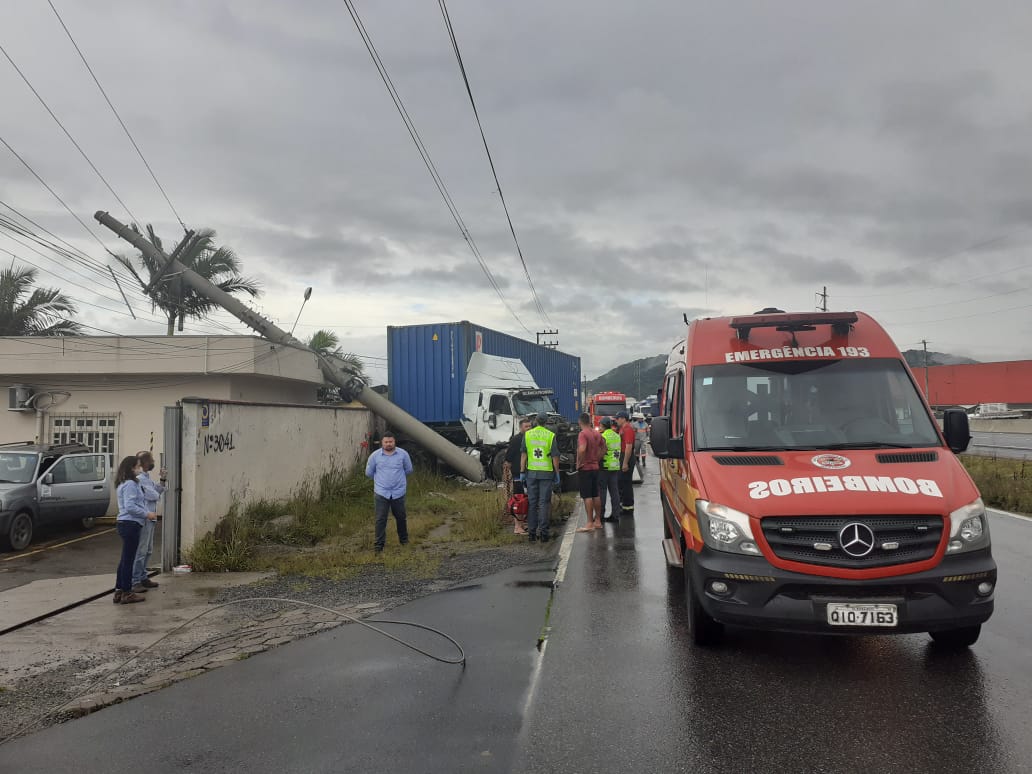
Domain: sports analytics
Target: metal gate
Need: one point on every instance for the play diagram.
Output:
(173, 464)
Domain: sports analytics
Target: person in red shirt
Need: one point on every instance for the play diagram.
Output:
(590, 449)
(627, 435)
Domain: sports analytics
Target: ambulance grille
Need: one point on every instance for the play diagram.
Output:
(793, 538)
(748, 459)
(908, 457)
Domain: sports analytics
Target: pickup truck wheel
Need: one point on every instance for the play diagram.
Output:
(956, 639)
(87, 522)
(19, 534)
(703, 629)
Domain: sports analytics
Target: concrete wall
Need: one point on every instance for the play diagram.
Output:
(240, 452)
(1001, 425)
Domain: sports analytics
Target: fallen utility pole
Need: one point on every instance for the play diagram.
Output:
(352, 387)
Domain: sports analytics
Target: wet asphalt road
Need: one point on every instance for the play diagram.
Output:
(622, 689)
(1013, 445)
(617, 688)
(65, 552)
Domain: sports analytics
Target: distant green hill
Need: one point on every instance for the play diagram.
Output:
(640, 378)
(916, 358)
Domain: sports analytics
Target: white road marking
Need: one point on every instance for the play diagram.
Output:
(566, 548)
(1018, 516)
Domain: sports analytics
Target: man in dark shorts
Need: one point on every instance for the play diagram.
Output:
(590, 450)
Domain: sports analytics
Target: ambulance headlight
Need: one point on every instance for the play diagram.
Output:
(725, 529)
(969, 528)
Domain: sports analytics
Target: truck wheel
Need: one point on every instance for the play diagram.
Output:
(956, 639)
(87, 522)
(497, 463)
(703, 629)
(19, 534)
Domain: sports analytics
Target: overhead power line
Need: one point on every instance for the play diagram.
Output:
(490, 159)
(119, 117)
(427, 161)
(55, 195)
(68, 134)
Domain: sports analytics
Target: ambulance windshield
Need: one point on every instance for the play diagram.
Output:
(808, 404)
(609, 409)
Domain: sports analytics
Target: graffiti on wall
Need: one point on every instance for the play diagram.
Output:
(216, 443)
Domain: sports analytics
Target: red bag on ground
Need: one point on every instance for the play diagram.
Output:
(517, 506)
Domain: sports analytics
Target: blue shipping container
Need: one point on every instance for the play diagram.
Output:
(426, 368)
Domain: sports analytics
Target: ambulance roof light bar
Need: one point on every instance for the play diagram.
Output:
(796, 321)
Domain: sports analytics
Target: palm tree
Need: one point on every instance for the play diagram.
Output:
(328, 343)
(219, 265)
(29, 311)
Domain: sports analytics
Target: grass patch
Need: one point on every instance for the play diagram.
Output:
(1004, 483)
(327, 529)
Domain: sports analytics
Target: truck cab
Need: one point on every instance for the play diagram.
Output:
(806, 486)
(605, 404)
(42, 484)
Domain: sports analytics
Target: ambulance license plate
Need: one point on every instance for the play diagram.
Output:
(856, 614)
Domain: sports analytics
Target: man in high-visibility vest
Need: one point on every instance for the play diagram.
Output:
(539, 463)
(609, 475)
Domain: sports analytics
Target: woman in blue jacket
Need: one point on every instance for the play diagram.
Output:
(132, 515)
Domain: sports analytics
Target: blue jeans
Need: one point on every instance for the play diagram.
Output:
(539, 504)
(129, 531)
(396, 506)
(143, 553)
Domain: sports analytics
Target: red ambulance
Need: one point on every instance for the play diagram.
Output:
(807, 487)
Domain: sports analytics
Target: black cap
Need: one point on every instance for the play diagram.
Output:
(622, 415)
(607, 422)
(542, 418)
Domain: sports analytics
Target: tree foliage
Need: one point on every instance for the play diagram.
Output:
(33, 311)
(328, 343)
(178, 301)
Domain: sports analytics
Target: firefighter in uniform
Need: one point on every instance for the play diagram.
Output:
(609, 475)
(540, 464)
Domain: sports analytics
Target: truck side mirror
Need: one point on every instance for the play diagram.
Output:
(492, 421)
(956, 429)
(662, 444)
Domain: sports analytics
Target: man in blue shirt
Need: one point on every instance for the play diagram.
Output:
(389, 468)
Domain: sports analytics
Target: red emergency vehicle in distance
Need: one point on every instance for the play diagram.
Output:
(808, 487)
(606, 404)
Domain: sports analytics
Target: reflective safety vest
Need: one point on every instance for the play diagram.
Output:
(612, 459)
(538, 443)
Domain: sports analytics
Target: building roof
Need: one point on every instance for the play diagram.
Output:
(41, 356)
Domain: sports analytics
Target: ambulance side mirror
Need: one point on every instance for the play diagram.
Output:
(663, 446)
(955, 428)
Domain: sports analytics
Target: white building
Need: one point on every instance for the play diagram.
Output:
(109, 392)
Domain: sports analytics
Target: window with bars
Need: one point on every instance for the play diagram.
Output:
(97, 431)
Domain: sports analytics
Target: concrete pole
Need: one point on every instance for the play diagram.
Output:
(352, 387)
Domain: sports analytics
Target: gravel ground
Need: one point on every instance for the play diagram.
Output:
(373, 591)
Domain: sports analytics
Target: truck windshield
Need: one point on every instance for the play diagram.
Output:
(538, 404)
(811, 404)
(609, 409)
(17, 468)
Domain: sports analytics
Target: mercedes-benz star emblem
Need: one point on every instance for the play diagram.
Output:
(856, 539)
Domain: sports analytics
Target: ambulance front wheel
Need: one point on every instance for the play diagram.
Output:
(704, 630)
(956, 639)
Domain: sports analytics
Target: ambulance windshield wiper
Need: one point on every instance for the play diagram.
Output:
(870, 445)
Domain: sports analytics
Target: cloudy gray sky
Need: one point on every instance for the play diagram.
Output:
(657, 158)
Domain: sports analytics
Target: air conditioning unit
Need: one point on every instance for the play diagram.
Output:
(18, 396)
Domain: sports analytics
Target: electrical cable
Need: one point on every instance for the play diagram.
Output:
(490, 159)
(427, 160)
(54, 194)
(461, 661)
(119, 117)
(68, 134)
